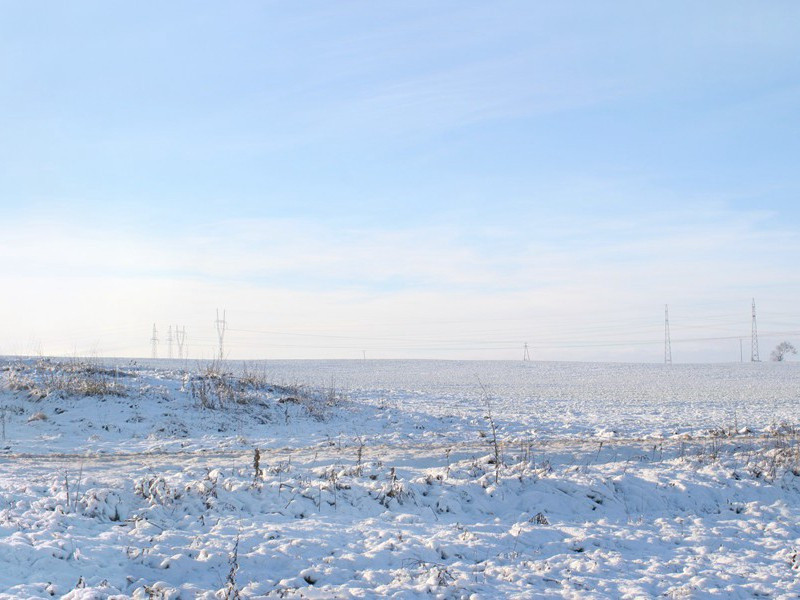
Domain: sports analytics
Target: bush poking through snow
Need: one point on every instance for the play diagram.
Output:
(37, 416)
(156, 490)
(216, 388)
(487, 402)
(231, 589)
(258, 472)
(434, 574)
(540, 519)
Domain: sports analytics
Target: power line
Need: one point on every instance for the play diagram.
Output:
(557, 334)
(542, 346)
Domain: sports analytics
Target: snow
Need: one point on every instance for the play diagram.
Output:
(378, 479)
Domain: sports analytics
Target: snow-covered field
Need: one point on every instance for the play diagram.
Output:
(383, 478)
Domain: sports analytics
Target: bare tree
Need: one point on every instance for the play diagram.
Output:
(782, 350)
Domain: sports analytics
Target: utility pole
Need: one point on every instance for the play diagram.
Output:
(221, 324)
(754, 337)
(526, 356)
(667, 341)
(154, 342)
(169, 342)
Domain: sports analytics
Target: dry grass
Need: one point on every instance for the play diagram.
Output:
(215, 387)
(70, 378)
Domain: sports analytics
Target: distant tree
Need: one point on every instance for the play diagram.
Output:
(782, 350)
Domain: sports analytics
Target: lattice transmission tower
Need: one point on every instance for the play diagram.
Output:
(754, 337)
(180, 339)
(667, 341)
(154, 342)
(221, 324)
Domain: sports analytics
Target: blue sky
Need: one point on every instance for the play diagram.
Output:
(411, 177)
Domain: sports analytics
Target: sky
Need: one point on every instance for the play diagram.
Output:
(400, 180)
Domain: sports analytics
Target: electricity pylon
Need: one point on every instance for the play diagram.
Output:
(667, 341)
(180, 338)
(754, 337)
(154, 342)
(221, 324)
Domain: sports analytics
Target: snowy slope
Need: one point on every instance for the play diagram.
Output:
(149, 490)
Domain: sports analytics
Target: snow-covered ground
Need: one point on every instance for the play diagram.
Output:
(382, 478)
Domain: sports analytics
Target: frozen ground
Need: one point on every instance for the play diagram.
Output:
(574, 399)
(379, 479)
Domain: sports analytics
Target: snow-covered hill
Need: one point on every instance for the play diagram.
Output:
(137, 481)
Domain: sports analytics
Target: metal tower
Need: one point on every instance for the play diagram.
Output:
(180, 338)
(667, 341)
(154, 342)
(754, 337)
(526, 356)
(221, 324)
(169, 342)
